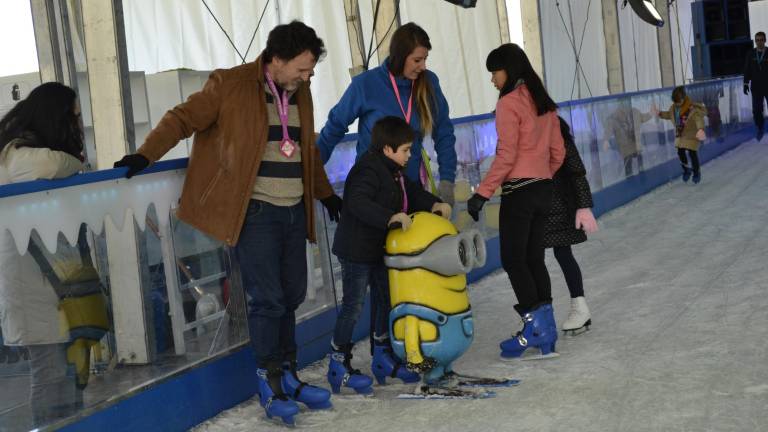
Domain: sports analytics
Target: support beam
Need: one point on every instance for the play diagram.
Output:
(108, 80)
(612, 47)
(529, 10)
(666, 55)
(387, 12)
(113, 133)
(55, 57)
(354, 35)
(46, 40)
(501, 9)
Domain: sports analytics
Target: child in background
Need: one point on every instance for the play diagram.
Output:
(688, 117)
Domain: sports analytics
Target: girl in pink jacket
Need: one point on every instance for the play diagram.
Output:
(530, 150)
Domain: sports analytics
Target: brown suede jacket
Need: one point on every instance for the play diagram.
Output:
(229, 120)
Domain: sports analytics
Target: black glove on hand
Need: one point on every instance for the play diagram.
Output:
(474, 205)
(134, 162)
(333, 204)
(746, 89)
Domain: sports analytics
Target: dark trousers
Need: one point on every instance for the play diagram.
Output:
(571, 270)
(273, 263)
(684, 160)
(356, 277)
(758, 96)
(53, 394)
(522, 217)
(628, 171)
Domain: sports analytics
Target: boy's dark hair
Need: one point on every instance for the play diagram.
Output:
(678, 94)
(760, 34)
(287, 41)
(390, 132)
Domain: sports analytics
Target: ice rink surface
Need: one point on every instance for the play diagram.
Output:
(677, 283)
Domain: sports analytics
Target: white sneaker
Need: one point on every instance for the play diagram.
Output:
(579, 319)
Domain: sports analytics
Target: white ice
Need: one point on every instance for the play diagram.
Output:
(677, 282)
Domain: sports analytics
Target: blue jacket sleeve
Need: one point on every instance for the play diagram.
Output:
(442, 134)
(340, 117)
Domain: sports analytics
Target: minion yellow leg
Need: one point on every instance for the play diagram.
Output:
(412, 340)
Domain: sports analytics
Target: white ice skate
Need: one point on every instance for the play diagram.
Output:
(579, 319)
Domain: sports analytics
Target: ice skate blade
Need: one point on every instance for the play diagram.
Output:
(288, 422)
(534, 355)
(540, 356)
(577, 331)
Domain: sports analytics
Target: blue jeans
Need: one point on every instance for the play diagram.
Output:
(355, 279)
(273, 264)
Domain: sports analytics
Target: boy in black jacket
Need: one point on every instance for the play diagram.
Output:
(376, 195)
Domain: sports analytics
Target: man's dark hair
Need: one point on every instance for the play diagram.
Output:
(760, 34)
(287, 41)
(390, 132)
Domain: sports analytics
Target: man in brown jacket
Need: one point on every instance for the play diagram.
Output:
(253, 174)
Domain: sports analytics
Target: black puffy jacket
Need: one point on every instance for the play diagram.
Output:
(372, 195)
(570, 192)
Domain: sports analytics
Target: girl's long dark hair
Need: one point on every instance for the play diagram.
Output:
(45, 119)
(512, 59)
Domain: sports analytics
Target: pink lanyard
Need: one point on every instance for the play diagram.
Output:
(405, 195)
(422, 167)
(407, 115)
(286, 146)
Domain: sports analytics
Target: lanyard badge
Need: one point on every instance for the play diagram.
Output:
(287, 146)
(423, 172)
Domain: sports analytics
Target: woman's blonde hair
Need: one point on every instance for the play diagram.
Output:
(404, 41)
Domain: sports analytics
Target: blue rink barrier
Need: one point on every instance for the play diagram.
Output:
(194, 395)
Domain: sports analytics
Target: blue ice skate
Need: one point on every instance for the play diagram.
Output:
(312, 396)
(539, 331)
(275, 404)
(386, 365)
(341, 374)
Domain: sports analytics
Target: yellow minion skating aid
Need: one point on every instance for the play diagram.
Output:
(431, 319)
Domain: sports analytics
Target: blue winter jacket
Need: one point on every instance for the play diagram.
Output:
(370, 97)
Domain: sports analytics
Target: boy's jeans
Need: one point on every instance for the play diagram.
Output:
(355, 278)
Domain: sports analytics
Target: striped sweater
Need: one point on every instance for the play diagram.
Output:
(279, 179)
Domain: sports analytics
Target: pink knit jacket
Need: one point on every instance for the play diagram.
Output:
(529, 146)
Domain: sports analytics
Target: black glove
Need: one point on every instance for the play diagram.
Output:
(474, 205)
(134, 162)
(746, 89)
(333, 204)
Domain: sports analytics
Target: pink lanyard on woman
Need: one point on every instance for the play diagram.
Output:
(407, 115)
(287, 146)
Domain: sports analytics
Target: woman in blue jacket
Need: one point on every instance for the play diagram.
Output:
(401, 86)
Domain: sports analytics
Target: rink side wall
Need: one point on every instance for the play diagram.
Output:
(195, 395)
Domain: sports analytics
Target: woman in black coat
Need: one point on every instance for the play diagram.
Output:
(570, 218)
